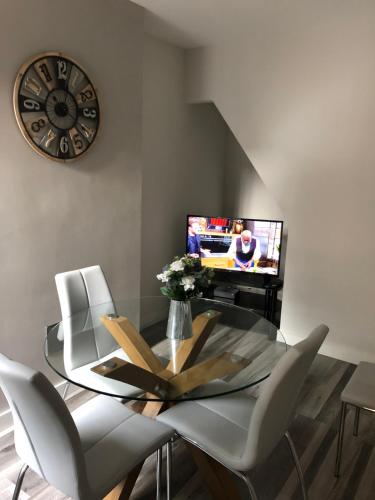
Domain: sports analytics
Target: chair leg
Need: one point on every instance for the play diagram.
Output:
(340, 439)
(66, 388)
(169, 470)
(297, 464)
(21, 475)
(356, 421)
(248, 483)
(159, 460)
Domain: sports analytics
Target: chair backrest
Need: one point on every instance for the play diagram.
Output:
(80, 289)
(277, 401)
(45, 435)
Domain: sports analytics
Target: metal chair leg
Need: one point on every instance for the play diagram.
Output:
(159, 461)
(298, 465)
(340, 439)
(356, 421)
(66, 387)
(169, 470)
(21, 475)
(248, 483)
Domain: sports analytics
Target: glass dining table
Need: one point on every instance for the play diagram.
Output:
(120, 349)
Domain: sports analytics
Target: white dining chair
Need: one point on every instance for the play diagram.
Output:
(84, 454)
(84, 296)
(79, 290)
(241, 432)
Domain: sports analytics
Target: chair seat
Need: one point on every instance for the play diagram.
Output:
(360, 390)
(114, 440)
(220, 425)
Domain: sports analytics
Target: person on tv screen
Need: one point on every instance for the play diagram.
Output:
(245, 250)
(194, 248)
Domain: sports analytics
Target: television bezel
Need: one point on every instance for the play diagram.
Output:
(232, 271)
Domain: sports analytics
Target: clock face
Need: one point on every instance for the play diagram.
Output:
(56, 107)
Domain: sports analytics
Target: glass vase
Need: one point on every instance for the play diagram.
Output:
(179, 320)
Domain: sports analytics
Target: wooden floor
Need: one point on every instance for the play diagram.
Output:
(314, 432)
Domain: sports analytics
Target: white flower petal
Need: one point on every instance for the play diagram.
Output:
(177, 265)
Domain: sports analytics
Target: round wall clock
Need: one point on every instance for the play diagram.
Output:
(56, 106)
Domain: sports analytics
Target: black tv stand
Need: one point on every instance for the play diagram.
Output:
(260, 294)
(267, 279)
(270, 298)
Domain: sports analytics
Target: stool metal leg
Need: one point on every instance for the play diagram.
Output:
(356, 421)
(340, 438)
(159, 459)
(169, 470)
(21, 475)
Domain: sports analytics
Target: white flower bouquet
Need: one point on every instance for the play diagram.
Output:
(185, 278)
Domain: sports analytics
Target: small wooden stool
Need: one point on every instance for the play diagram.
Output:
(360, 393)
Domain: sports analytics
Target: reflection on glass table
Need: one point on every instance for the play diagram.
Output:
(120, 349)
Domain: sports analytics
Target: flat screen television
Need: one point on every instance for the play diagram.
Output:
(235, 244)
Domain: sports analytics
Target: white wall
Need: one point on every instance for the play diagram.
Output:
(57, 217)
(183, 159)
(245, 194)
(297, 89)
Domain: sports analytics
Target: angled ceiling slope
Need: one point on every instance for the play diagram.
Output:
(197, 23)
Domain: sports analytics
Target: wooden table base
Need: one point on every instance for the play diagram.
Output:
(218, 478)
(181, 375)
(124, 489)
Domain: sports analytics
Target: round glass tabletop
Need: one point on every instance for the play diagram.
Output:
(121, 349)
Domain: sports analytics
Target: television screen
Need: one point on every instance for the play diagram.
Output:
(231, 244)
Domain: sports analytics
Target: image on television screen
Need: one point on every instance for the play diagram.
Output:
(247, 245)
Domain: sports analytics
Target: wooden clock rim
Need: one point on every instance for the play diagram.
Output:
(17, 83)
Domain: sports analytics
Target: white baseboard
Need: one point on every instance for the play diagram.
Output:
(6, 421)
